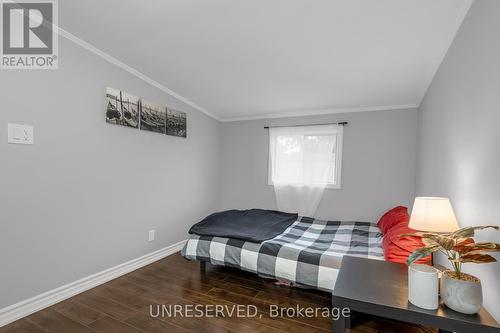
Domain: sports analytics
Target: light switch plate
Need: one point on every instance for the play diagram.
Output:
(20, 134)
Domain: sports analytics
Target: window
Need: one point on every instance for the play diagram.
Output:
(305, 155)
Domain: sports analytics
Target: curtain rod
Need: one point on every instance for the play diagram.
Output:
(342, 123)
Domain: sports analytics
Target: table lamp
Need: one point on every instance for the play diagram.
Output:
(433, 215)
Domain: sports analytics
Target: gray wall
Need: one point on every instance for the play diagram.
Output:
(83, 198)
(459, 136)
(378, 170)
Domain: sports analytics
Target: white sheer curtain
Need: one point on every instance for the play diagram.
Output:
(302, 163)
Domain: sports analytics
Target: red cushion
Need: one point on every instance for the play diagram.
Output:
(392, 218)
(396, 248)
(408, 244)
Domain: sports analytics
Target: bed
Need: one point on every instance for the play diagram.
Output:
(307, 254)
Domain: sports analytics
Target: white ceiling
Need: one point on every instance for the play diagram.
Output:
(264, 58)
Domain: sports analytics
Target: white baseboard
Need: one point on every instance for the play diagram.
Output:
(37, 303)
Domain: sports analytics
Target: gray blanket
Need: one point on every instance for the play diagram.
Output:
(254, 225)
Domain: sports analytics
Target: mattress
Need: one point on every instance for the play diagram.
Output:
(308, 253)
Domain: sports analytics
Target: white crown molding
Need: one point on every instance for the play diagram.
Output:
(131, 70)
(316, 112)
(37, 303)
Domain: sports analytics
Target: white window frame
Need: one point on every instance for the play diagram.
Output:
(338, 163)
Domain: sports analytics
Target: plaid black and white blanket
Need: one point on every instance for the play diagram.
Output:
(307, 254)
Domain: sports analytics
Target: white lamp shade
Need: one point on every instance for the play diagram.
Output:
(433, 215)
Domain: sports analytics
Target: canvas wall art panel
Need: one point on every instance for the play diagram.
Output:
(153, 117)
(176, 123)
(122, 108)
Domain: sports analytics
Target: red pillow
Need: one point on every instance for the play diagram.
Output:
(408, 244)
(393, 217)
(396, 248)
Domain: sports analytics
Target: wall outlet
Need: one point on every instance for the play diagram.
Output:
(151, 235)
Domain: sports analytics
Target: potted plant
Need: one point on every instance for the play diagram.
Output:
(460, 291)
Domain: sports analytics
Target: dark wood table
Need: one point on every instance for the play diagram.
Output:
(380, 288)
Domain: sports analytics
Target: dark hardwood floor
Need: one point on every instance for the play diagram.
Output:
(123, 305)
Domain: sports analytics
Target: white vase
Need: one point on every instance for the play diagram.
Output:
(461, 296)
(423, 285)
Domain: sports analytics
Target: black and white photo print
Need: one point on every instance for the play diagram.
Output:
(153, 117)
(176, 123)
(122, 108)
